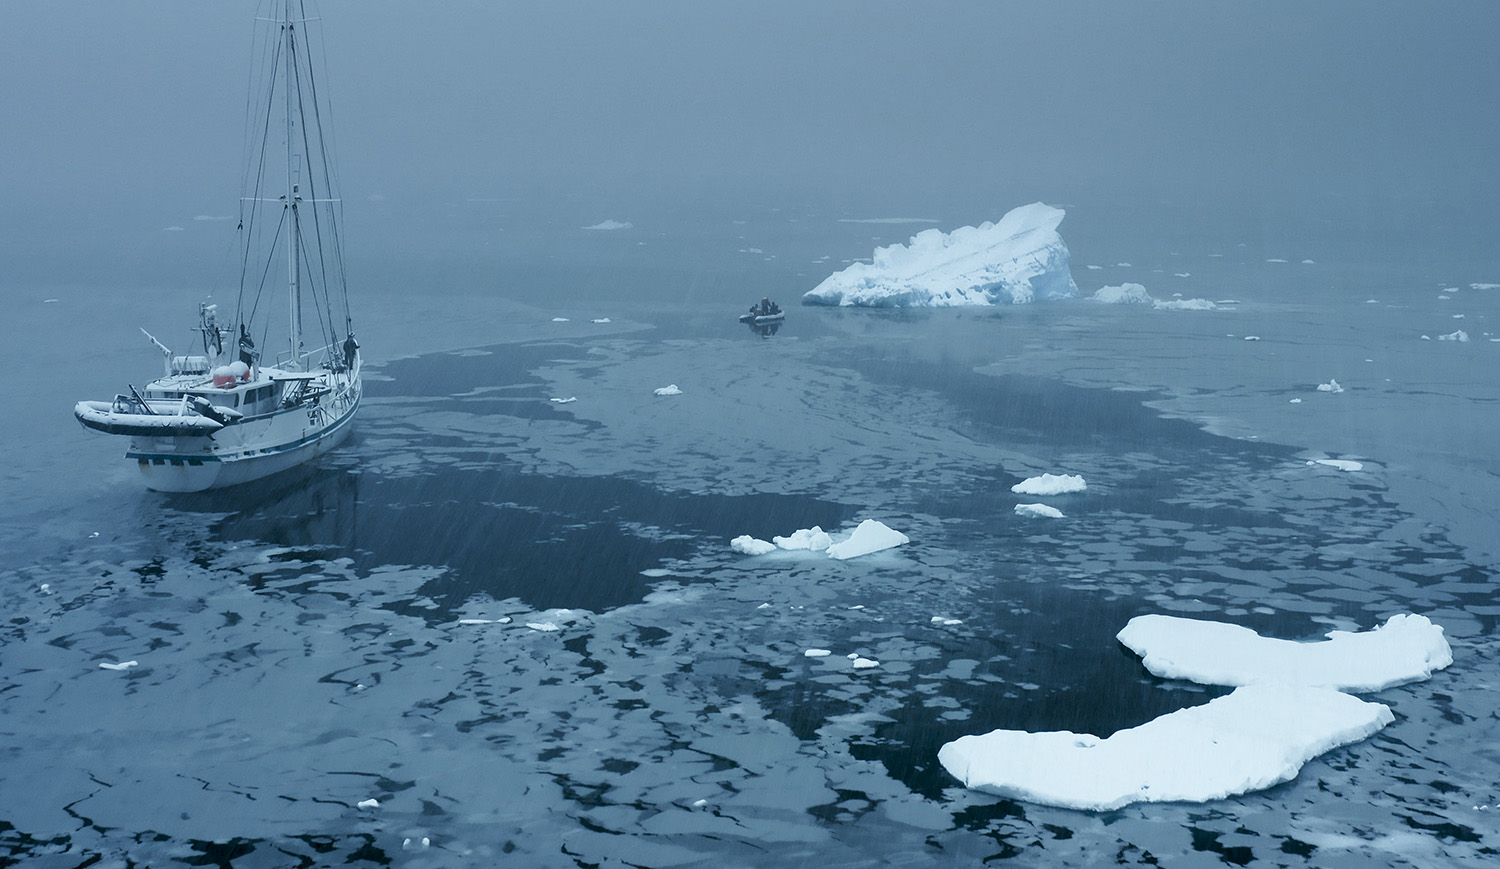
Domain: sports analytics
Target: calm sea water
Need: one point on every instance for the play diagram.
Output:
(517, 625)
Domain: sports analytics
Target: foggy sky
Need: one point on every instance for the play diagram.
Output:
(120, 119)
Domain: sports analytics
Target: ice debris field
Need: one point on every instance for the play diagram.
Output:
(1289, 706)
(871, 536)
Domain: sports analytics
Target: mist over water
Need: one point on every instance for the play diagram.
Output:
(517, 623)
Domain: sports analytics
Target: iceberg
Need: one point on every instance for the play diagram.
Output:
(1124, 294)
(870, 536)
(747, 545)
(1040, 511)
(1407, 648)
(1017, 260)
(1050, 484)
(1251, 739)
(813, 538)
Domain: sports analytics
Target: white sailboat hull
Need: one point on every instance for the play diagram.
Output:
(263, 449)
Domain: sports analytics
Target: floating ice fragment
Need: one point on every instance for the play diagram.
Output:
(814, 538)
(1458, 316)
(747, 545)
(606, 225)
(870, 536)
(1255, 737)
(945, 621)
(559, 319)
(1296, 401)
(1182, 274)
(49, 301)
(1308, 262)
(1426, 337)
(1484, 286)
(865, 663)
(1460, 336)
(764, 606)
(1341, 464)
(1330, 386)
(1041, 511)
(542, 626)
(1185, 305)
(1050, 484)
(670, 389)
(95, 534)
(1124, 294)
(698, 804)
(816, 653)
(600, 320)
(570, 399)
(1406, 648)
(852, 655)
(503, 620)
(655, 572)
(1275, 260)
(368, 804)
(1252, 337)
(123, 665)
(45, 588)
(476, 621)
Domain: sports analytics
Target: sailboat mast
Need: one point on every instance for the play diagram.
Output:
(294, 290)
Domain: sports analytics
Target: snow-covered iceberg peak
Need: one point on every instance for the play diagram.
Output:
(1017, 260)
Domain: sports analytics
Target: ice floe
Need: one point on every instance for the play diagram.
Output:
(817, 653)
(1460, 336)
(569, 400)
(945, 621)
(559, 319)
(1330, 386)
(814, 538)
(123, 665)
(751, 546)
(1341, 464)
(864, 663)
(1253, 738)
(1016, 260)
(600, 320)
(1124, 294)
(545, 627)
(607, 225)
(1184, 305)
(871, 536)
(1406, 648)
(368, 804)
(1038, 510)
(670, 389)
(1050, 484)
(1289, 706)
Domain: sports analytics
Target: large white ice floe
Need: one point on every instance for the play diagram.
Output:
(1050, 484)
(870, 536)
(1289, 706)
(1407, 648)
(1184, 305)
(1255, 737)
(1017, 260)
(1040, 511)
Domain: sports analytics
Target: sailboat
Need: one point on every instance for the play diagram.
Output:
(221, 415)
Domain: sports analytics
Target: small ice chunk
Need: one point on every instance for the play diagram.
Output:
(368, 804)
(1124, 294)
(698, 804)
(1460, 336)
(1050, 484)
(1405, 649)
(870, 536)
(123, 665)
(747, 545)
(670, 389)
(1185, 305)
(1296, 401)
(1341, 464)
(1330, 386)
(476, 621)
(1252, 337)
(945, 621)
(865, 663)
(608, 225)
(1255, 737)
(568, 400)
(817, 653)
(600, 320)
(559, 319)
(542, 626)
(1038, 510)
(814, 538)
